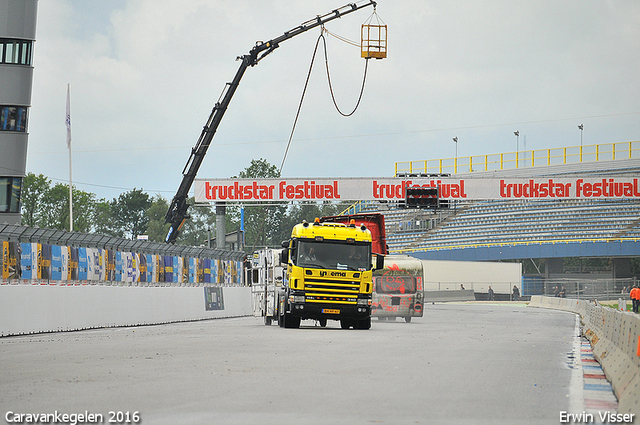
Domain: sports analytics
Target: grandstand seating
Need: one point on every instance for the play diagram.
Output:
(485, 223)
(499, 222)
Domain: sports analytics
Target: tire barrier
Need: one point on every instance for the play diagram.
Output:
(38, 263)
(615, 338)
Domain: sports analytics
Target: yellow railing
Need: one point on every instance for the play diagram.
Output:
(501, 244)
(522, 159)
(354, 208)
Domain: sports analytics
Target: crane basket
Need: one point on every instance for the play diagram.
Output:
(373, 42)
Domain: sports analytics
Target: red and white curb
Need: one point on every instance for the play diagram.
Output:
(591, 394)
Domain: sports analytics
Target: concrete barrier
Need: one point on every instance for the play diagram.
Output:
(26, 309)
(615, 339)
(448, 296)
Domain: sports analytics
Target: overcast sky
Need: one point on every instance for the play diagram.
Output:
(145, 75)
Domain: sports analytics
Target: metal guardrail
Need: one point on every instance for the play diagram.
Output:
(522, 159)
(513, 243)
(581, 288)
(41, 256)
(17, 233)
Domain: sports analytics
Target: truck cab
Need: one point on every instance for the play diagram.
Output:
(329, 275)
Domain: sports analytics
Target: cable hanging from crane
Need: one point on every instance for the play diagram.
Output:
(304, 91)
(373, 44)
(364, 79)
(313, 57)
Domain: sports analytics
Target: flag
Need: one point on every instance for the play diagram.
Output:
(68, 120)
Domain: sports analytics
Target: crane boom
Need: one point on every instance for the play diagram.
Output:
(177, 213)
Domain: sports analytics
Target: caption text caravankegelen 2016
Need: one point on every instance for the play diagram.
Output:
(112, 417)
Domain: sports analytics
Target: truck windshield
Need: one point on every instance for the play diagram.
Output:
(333, 255)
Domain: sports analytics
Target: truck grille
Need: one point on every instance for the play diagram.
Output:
(331, 291)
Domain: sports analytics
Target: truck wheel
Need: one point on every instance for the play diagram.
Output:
(267, 320)
(291, 322)
(345, 323)
(279, 314)
(363, 324)
(407, 319)
(323, 323)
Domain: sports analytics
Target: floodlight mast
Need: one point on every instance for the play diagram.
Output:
(177, 213)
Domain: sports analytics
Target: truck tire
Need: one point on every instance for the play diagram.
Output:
(345, 323)
(279, 314)
(267, 320)
(363, 324)
(291, 322)
(407, 319)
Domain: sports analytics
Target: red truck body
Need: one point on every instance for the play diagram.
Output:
(373, 221)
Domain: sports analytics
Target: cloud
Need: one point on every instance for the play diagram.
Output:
(146, 74)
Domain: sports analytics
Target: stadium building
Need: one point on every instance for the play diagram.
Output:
(17, 37)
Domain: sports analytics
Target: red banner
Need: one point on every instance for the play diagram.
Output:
(393, 189)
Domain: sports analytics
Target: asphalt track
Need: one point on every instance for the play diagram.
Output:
(460, 363)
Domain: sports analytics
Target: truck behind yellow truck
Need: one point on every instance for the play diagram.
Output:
(398, 289)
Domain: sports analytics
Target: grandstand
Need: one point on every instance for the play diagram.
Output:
(524, 229)
(499, 222)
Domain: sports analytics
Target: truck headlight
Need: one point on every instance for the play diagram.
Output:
(364, 301)
(296, 299)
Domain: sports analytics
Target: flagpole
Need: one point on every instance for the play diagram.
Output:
(68, 122)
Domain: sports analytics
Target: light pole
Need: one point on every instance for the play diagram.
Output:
(581, 127)
(517, 133)
(455, 160)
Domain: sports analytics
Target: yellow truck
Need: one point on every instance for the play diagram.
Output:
(328, 276)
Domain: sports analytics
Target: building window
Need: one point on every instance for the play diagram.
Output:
(10, 189)
(13, 118)
(17, 52)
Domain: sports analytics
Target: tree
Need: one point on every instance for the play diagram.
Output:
(33, 190)
(44, 205)
(56, 207)
(157, 228)
(129, 213)
(200, 226)
(84, 210)
(262, 222)
(103, 223)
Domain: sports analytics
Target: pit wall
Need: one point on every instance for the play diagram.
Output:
(26, 309)
(615, 338)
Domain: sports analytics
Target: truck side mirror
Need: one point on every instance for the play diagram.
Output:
(379, 262)
(284, 256)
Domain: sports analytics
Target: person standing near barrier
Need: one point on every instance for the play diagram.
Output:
(490, 294)
(635, 299)
(516, 293)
